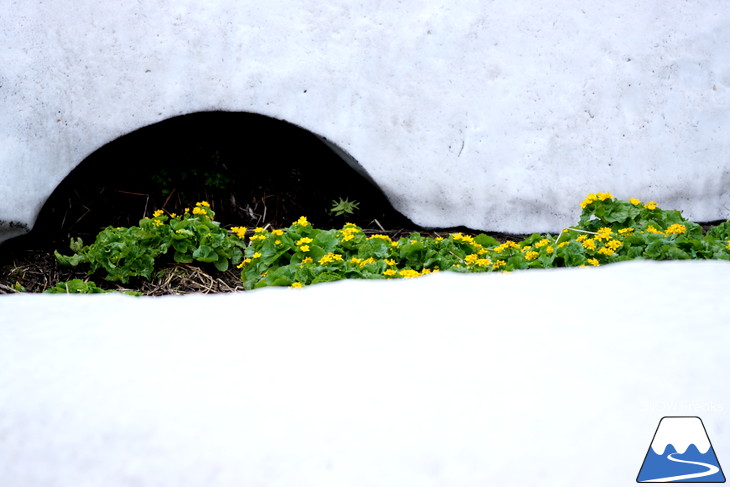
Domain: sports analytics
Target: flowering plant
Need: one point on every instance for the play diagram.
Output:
(130, 252)
(609, 230)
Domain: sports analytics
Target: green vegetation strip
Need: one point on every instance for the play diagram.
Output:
(609, 230)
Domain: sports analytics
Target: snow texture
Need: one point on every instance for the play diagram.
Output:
(497, 115)
(550, 378)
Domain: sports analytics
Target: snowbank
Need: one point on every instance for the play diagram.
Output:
(551, 378)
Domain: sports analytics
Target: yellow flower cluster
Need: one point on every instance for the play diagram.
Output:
(377, 235)
(302, 221)
(239, 232)
(593, 197)
(157, 213)
(329, 258)
(302, 243)
(509, 244)
(243, 263)
(459, 237)
(349, 231)
(652, 229)
(626, 232)
(675, 228)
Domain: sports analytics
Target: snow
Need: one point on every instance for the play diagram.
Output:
(495, 115)
(680, 432)
(551, 378)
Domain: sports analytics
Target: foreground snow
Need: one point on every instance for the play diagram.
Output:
(550, 378)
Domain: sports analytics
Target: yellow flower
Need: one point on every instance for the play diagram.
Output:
(588, 200)
(651, 229)
(348, 237)
(258, 230)
(531, 255)
(239, 232)
(582, 237)
(542, 243)
(330, 257)
(498, 264)
(304, 248)
(509, 244)
(439, 239)
(634, 201)
(350, 231)
(604, 233)
(367, 261)
(650, 205)
(277, 242)
(278, 233)
(355, 260)
(389, 272)
(484, 262)
(202, 203)
(605, 251)
(463, 238)
(257, 237)
(199, 211)
(173, 215)
(302, 221)
(256, 255)
(593, 197)
(390, 262)
(157, 213)
(549, 250)
(245, 261)
(626, 232)
(409, 273)
(304, 240)
(307, 260)
(563, 244)
(589, 244)
(613, 244)
(676, 228)
(592, 261)
(157, 223)
(471, 259)
(377, 235)
(296, 284)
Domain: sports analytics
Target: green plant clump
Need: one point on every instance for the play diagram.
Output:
(79, 286)
(131, 252)
(609, 230)
(344, 207)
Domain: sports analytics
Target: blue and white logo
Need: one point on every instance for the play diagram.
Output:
(681, 452)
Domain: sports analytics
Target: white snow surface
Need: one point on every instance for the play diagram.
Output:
(550, 378)
(680, 432)
(498, 115)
